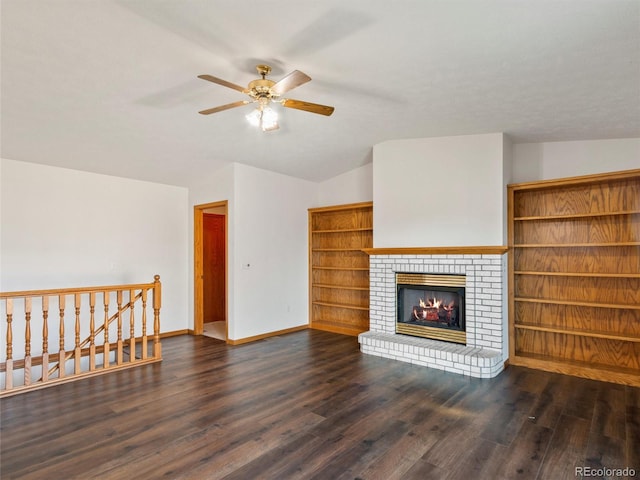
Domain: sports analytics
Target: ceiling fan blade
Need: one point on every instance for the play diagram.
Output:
(308, 107)
(224, 107)
(224, 83)
(291, 81)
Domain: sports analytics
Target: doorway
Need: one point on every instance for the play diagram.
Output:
(210, 270)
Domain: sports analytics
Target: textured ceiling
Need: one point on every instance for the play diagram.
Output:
(110, 86)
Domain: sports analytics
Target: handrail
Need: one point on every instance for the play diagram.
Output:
(68, 291)
(97, 353)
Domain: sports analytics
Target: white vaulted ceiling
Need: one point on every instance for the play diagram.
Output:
(111, 86)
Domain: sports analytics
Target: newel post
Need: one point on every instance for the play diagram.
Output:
(157, 303)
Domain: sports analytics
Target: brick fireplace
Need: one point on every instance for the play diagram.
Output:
(482, 270)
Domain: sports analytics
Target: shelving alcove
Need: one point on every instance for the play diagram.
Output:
(574, 268)
(338, 268)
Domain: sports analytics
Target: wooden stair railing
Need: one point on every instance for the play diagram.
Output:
(97, 353)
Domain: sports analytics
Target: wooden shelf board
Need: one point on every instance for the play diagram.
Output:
(340, 287)
(565, 245)
(572, 181)
(345, 230)
(338, 305)
(336, 328)
(579, 333)
(336, 208)
(354, 249)
(471, 250)
(357, 269)
(577, 303)
(575, 215)
(621, 375)
(578, 274)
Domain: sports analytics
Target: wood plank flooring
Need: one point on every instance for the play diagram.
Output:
(309, 405)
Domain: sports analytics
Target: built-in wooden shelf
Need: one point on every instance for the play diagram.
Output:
(574, 269)
(338, 268)
(471, 250)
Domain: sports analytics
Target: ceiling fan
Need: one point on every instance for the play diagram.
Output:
(263, 92)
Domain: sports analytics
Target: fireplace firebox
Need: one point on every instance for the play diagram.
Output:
(431, 306)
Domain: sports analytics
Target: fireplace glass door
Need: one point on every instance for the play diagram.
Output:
(431, 310)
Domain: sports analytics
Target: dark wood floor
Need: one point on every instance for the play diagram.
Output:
(309, 405)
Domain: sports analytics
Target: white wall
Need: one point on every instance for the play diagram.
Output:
(217, 188)
(445, 191)
(272, 239)
(507, 175)
(267, 222)
(67, 228)
(543, 161)
(354, 186)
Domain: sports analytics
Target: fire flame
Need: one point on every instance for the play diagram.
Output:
(435, 303)
(432, 309)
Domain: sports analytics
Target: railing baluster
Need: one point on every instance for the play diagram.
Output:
(61, 353)
(45, 338)
(92, 331)
(157, 302)
(27, 341)
(144, 323)
(132, 331)
(105, 351)
(119, 344)
(77, 348)
(9, 363)
(77, 353)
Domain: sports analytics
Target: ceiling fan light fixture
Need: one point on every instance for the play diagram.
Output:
(254, 117)
(264, 117)
(269, 120)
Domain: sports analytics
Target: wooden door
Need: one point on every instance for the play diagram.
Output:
(214, 298)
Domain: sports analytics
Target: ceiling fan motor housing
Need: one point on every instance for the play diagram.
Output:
(261, 88)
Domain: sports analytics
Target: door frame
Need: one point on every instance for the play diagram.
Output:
(198, 264)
